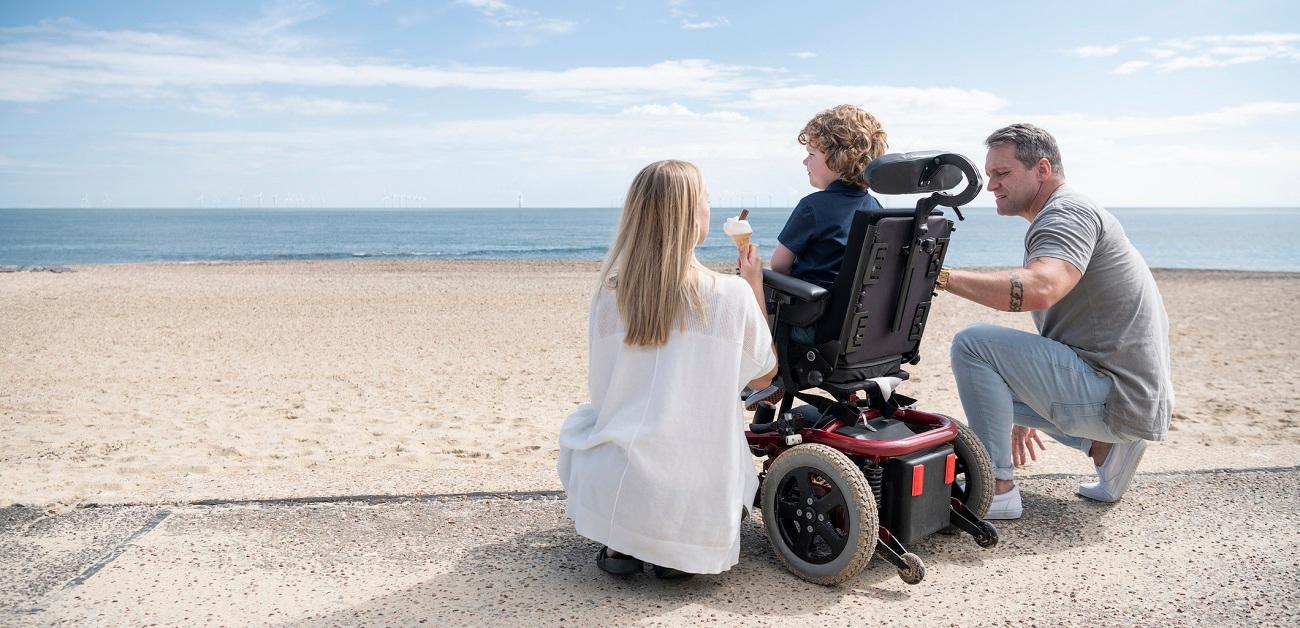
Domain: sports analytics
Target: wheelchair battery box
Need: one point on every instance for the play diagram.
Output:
(917, 490)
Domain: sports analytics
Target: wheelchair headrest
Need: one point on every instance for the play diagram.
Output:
(928, 171)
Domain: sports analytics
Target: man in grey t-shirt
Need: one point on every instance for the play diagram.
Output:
(1097, 376)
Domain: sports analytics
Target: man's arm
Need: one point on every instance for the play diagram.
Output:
(1039, 285)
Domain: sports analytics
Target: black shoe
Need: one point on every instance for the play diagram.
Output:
(620, 566)
(668, 573)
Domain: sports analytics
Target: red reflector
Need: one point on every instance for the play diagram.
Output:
(950, 469)
(918, 479)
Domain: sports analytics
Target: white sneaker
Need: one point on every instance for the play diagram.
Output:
(1116, 474)
(1005, 506)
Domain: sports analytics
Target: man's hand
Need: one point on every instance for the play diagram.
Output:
(1022, 445)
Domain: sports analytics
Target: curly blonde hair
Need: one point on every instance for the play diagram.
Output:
(850, 137)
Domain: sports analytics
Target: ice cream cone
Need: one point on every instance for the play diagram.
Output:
(738, 229)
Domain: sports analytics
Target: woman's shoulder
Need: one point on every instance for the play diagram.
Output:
(722, 285)
(731, 295)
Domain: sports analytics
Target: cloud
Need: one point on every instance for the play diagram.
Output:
(285, 14)
(274, 28)
(63, 62)
(677, 110)
(884, 101)
(715, 22)
(739, 123)
(690, 20)
(1129, 67)
(9, 164)
(587, 159)
(505, 15)
(1210, 51)
(1094, 51)
(227, 105)
(1112, 129)
(803, 54)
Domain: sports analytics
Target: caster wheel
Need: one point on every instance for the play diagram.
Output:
(988, 536)
(820, 514)
(915, 571)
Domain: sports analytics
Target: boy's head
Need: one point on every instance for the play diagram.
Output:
(849, 138)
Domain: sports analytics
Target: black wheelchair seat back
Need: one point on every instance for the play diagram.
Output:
(874, 332)
(872, 319)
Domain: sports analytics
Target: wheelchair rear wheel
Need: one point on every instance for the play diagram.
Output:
(973, 481)
(820, 514)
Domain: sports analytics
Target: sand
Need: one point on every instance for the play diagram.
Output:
(162, 383)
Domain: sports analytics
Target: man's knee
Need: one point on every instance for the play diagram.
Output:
(969, 339)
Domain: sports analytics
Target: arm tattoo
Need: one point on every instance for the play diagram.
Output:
(1017, 293)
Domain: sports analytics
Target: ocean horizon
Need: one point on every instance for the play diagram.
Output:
(1242, 238)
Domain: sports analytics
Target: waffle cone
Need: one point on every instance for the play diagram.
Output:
(742, 239)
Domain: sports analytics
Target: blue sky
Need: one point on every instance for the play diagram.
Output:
(476, 102)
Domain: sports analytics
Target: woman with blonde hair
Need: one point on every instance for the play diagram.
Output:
(655, 467)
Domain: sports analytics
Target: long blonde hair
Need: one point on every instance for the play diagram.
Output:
(652, 267)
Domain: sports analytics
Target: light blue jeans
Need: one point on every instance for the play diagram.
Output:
(1007, 376)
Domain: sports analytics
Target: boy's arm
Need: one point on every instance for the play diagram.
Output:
(782, 259)
(798, 229)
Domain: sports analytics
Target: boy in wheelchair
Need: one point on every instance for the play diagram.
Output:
(841, 141)
(862, 472)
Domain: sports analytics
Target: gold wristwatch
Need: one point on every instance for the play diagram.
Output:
(942, 284)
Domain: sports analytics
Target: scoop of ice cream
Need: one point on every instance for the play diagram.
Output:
(736, 226)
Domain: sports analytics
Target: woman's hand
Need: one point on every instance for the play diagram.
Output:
(751, 267)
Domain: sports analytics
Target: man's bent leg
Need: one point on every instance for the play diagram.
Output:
(985, 398)
(996, 366)
(1026, 417)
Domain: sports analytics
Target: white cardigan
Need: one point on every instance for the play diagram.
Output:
(656, 465)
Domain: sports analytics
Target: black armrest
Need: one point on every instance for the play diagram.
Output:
(797, 288)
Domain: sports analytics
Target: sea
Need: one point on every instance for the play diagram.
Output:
(1253, 239)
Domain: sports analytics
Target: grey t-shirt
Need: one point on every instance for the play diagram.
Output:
(1114, 318)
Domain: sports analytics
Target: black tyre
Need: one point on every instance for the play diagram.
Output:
(820, 514)
(973, 482)
(915, 571)
(988, 536)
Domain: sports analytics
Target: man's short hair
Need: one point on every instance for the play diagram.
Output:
(1032, 143)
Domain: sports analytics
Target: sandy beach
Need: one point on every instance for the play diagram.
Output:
(180, 382)
(343, 443)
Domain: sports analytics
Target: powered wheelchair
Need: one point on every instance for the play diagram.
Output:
(862, 471)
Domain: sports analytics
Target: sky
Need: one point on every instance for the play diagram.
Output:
(489, 103)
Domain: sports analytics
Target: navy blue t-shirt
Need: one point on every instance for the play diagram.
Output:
(817, 231)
